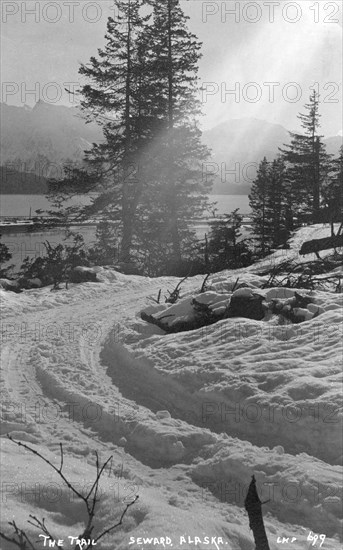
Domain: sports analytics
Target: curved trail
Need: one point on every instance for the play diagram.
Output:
(69, 377)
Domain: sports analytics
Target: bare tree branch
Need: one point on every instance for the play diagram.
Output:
(21, 540)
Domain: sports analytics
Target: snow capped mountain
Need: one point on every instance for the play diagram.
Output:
(333, 144)
(46, 134)
(239, 145)
(245, 140)
(41, 139)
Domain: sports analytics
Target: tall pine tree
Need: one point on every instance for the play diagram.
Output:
(226, 249)
(278, 210)
(268, 201)
(333, 192)
(178, 192)
(258, 201)
(308, 165)
(115, 99)
(143, 90)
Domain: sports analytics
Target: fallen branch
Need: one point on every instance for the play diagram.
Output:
(316, 245)
(175, 294)
(204, 286)
(235, 285)
(156, 300)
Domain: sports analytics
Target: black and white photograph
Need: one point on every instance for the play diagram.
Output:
(171, 276)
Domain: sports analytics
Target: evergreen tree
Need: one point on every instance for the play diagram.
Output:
(148, 170)
(225, 249)
(5, 256)
(258, 201)
(105, 251)
(333, 192)
(57, 263)
(178, 192)
(277, 218)
(115, 99)
(270, 206)
(308, 165)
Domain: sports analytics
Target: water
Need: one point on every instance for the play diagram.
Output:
(228, 203)
(25, 244)
(20, 205)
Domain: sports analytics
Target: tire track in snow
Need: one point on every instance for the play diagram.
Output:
(153, 442)
(221, 461)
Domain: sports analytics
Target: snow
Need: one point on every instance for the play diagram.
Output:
(188, 417)
(307, 233)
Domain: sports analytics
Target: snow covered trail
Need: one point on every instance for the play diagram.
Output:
(81, 368)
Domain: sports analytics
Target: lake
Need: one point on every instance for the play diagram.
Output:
(21, 205)
(23, 244)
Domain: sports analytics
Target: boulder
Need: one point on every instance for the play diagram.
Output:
(246, 303)
(163, 414)
(10, 285)
(30, 283)
(81, 274)
(128, 268)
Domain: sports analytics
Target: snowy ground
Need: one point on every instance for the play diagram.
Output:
(244, 397)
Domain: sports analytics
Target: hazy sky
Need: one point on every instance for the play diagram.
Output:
(267, 53)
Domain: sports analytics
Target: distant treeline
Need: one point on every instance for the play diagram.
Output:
(13, 182)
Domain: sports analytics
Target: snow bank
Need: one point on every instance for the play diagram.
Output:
(188, 417)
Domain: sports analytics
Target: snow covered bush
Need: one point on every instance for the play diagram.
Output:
(55, 267)
(5, 256)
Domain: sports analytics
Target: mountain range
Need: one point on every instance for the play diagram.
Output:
(40, 140)
(239, 145)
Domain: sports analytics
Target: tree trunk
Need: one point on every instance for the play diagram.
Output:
(316, 182)
(174, 226)
(126, 241)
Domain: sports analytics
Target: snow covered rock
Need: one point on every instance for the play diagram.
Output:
(302, 314)
(246, 303)
(163, 414)
(30, 283)
(316, 310)
(190, 313)
(243, 293)
(176, 318)
(208, 298)
(11, 286)
(297, 308)
(82, 274)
